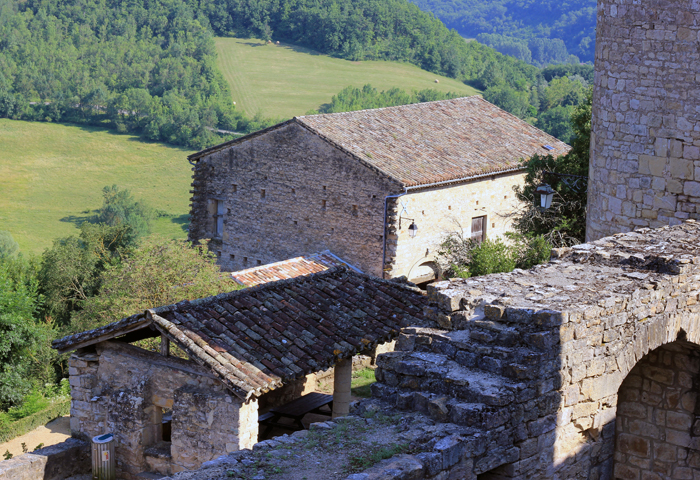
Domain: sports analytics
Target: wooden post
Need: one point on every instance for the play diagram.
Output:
(342, 380)
(164, 346)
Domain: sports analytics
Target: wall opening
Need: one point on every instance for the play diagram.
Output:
(657, 429)
(424, 274)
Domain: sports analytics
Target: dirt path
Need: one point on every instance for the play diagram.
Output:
(52, 433)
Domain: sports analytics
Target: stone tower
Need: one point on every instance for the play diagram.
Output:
(645, 142)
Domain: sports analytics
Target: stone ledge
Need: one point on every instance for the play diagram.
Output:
(55, 462)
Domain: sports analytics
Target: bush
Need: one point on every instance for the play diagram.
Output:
(8, 246)
(464, 257)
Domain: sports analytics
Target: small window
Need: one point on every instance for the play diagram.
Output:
(259, 262)
(245, 261)
(354, 210)
(324, 188)
(493, 225)
(219, 210)
(231, 257)
(323, 204)
(295, 222)
(477, 202)
(294, 192)
(449, 207)
(262, 193)
(234, 188)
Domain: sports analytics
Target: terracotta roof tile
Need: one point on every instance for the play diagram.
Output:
(291, 268)
(254, 348)
(438, 141)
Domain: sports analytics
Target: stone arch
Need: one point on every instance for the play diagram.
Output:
(657, 427)
(425, 270)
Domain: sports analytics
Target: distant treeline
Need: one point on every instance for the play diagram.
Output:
(148, 66)
(541, 32)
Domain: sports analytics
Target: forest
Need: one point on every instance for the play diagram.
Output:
(148, 67)
(540, 33)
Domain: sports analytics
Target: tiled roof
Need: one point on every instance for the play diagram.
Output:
(438, 141)
(294, 267)
(259, 338)
(431, 142)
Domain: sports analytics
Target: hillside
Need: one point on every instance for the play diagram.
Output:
(50, 174)
(538, 32)
(286, 80)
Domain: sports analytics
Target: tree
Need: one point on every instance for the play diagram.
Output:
(70, 270)
(120, 209)
(8, 245)
(158, 272)
(24, 341)
(564, 223)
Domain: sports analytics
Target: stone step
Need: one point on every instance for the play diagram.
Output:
(442, 408)
(466, 348)
(436, 373)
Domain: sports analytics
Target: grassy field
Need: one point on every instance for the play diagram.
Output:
(286, 80)
(51, 175)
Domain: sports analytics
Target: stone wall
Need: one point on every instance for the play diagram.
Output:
(439, 211)
(122, 389)
(56, 462)
(287, 193)
(645, 141)
(534, 359)
(657, 411)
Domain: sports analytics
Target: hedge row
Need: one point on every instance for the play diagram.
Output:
(19, 427)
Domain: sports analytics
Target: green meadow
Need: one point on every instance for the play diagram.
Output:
(52, 175)
(286, 80)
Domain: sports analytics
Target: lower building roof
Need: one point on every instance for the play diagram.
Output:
(257, 339)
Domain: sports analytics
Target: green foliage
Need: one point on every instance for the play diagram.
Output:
(158, 272)
(70, 271)
(10, 429)
(120, 209)
(8, 246)
(564, 223)
(551, 30)
(142, 67)
(7, 455)
(352, 98)
(24, 341)
(464, 257)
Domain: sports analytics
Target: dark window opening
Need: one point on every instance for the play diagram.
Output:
(245, 261)
(234, 187)
(323, 204)
(262, 193)
(354, 210)
(231, 256)
(259, 262)
(167, 424)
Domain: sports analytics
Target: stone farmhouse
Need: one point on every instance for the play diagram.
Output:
(359, 183)
(247, 351)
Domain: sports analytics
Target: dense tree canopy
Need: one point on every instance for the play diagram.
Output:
(541, 32)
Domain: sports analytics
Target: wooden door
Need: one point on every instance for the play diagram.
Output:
(478, 229)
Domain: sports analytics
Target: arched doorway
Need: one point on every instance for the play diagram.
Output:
(423, 273)
(657, 429)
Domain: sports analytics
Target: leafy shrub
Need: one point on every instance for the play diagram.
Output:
(8, 246)
(464, 257)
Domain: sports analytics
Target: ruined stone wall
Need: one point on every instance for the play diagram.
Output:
(440, 211)
(289, 193)
(56, 462)
(645, 140)
(124, 390)
(657, 411)
(535, 359)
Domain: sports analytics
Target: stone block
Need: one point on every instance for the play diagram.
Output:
(399, 467)
(451, 449)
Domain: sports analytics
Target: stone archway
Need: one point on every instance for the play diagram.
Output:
(424, 271)
(657, 430)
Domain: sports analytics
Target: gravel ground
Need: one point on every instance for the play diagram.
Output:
(52, 433)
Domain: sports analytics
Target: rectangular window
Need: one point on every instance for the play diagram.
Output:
(323, 204)
(262, 193)
(234, 188)
(354, 210)
(217, 209)
(478, 229)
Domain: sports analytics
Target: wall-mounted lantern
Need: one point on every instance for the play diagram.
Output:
(412, 229)
(546, 194)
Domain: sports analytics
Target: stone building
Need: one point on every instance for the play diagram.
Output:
(354, 183)
(247, 351)
(645, 141)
